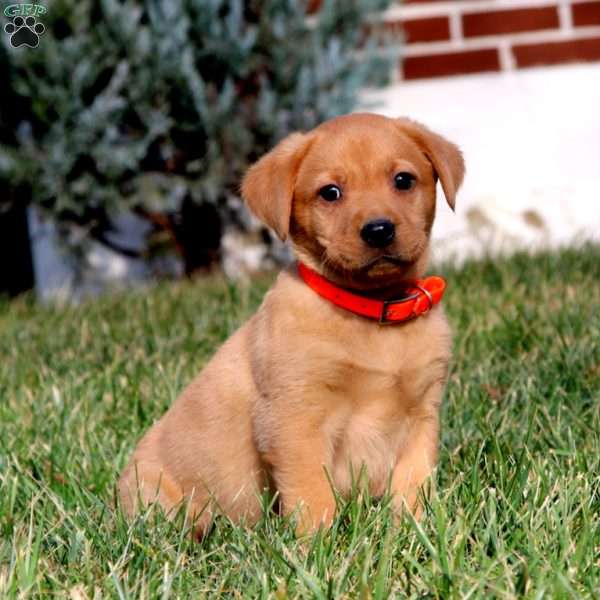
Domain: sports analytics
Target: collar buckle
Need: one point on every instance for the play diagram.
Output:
(384, 318)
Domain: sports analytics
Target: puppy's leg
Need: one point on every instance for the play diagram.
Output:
(206, 474)
(299, 473)
(236, 493)
(143, 483)
(416, 463)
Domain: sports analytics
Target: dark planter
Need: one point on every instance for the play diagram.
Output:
(16, 266)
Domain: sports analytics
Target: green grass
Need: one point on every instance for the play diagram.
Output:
(517, 507)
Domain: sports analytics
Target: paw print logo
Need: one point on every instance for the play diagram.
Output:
(24, 32)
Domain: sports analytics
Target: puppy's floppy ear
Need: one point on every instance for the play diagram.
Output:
(268, 186)
(446, 157)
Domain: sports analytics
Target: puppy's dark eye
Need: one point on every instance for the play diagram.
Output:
(331, 193)
(404, 181)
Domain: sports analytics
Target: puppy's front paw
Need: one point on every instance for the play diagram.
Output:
(411, 501)
(407, 504)
(310, 518)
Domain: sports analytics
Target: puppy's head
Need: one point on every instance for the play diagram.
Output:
(356, 195)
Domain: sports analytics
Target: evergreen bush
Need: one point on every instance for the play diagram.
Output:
(158, 106)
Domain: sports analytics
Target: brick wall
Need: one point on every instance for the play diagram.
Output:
(456, 37)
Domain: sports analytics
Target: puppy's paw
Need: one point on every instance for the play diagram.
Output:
(310, 519)
(402, 508)
(411, 501)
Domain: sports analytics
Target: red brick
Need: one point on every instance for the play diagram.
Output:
(451, 63)
(430, 29)
(550, 53)
(313, 6)
(586, 13)
(515, 20)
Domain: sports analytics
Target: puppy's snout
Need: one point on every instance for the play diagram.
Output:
(378, 233)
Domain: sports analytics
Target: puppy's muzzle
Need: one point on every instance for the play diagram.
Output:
(378, 233)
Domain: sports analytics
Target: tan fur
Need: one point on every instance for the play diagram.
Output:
(305, 389)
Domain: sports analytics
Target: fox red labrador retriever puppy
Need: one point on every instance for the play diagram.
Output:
(333, 376)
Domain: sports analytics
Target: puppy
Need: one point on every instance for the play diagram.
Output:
(314, 390)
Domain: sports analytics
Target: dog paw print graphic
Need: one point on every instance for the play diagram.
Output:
(24, 32)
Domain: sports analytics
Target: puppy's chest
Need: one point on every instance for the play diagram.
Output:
(365, 440)
(393, 369)
(374, 395)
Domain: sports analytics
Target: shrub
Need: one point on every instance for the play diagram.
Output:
(158, 106)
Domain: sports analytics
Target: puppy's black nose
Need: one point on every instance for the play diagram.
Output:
(378, 233)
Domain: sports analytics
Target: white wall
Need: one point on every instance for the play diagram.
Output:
(531, 140)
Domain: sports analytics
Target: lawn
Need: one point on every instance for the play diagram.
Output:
(515, 513)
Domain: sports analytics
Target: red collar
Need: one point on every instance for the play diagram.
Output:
(421, 296)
